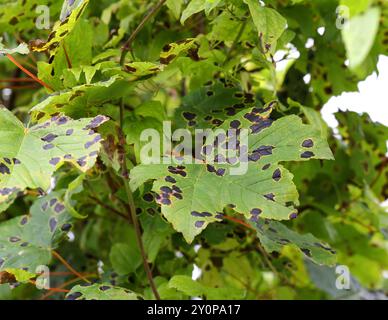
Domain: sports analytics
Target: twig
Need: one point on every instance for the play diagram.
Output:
(128, 44)
(239, 222)
(63, 286)
(67, 57)
(68, 266)
(28, 72)
(133, 217)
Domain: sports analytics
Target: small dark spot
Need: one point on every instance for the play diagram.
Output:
(307, 155)
(256, 211)
(69, 132)
(270, 196)
(53, 224)
(277, 175)
(74, 296)
(66, 227)
(49, 138)
(307, 252)
(54, 161)
(199, 224)
(48, 146)
(4, 169)
(235, 124)
(104, 288)
(59, 207)
(308, 143)
(148, 197)
(170, 179)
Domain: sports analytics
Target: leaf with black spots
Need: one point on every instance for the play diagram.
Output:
(190, 202)
(173, 50)
(27, 241)
(274, 236)
(101, 291)
(30, 155)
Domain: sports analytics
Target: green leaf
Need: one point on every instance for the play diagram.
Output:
(30, 155)
(27, 241)
(266, 188)
(125, 259)
(359, 35)
(101, 292)
(74, 187)
(269, 23)
(274, 236)
(196, 6)
(193, 288)
(175, 6)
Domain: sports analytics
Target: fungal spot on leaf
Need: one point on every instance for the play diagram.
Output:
(148, 197)
(69, 132)
(308, 143)
(53, 224)
(48, 146)
(267, 166)
(104, 288)
(170, 179)
(66, 227)
(277, 175)
(4, 169)
(74, 296)
(270, 196)
(307, 155)
(199, 224)
(54, 161)
(189, 115)
(293, 215)
(235, 124)
(307, 252)
(49, 137)
(59, 207)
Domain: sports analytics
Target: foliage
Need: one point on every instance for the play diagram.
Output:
(77, 196)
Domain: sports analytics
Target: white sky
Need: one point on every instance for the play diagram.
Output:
(371, 98)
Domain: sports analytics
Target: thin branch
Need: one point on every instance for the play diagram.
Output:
(28, 72)
(239, 222)
(128, 44)
(68, 266)
(133, 217)
(67, 57)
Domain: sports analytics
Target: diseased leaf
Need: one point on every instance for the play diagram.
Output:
(60, 31)
(172, 50)
(265, 190)
(359, 35)
(30, 155)
(101, 292)
(27, 241)
(274, 236)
